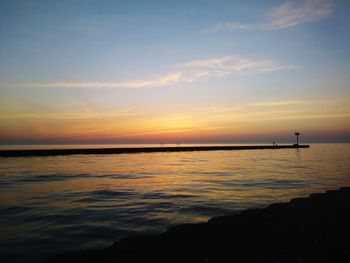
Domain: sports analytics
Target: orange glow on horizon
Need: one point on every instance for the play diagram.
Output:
(207, 124)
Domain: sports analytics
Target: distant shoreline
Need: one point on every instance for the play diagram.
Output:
(55, 152)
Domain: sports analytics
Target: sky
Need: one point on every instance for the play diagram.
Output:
(204, 71)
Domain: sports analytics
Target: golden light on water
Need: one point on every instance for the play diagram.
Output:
(183, 179)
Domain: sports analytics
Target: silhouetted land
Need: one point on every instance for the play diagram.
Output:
(314, 229)
(50, 152)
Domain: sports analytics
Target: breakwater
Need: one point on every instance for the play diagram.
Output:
(55, 152)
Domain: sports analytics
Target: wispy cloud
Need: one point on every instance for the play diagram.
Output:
(134, 84)
(187, 72)
(4, 51)
(122, 113)
(278, 103)
(229, 65)
(281, 103)
(286, 15)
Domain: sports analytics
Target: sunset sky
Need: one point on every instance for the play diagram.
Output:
(189, 71)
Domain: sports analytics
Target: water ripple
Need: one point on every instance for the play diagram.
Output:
(50, 204)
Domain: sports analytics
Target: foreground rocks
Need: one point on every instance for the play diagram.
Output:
(313, 229)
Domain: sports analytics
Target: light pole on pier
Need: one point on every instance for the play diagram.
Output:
(297, 134)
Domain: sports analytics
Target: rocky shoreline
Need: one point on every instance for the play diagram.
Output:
(313, 229)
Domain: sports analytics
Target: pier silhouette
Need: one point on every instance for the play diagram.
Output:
(55, 152)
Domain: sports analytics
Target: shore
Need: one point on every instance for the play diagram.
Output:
(55, 152)
(313, 229)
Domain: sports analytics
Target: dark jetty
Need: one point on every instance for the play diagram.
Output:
(314, 229)
(53, 152)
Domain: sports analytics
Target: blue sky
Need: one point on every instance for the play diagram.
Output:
(155, 68)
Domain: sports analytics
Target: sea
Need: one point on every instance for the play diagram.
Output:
(54, 204)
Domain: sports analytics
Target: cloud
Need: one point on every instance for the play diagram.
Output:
(229, 65)
(188, 72)
(286, 15)
(291, 102)
(312, 110)
(135, 84)
(4, 51)
(121, 113)
(208, 63)
(278, 103)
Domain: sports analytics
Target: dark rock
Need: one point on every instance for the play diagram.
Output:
(314, 229)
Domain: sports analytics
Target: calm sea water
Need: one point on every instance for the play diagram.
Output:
(49, 205)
